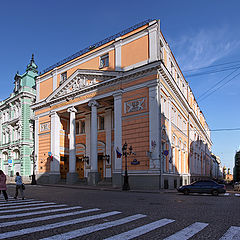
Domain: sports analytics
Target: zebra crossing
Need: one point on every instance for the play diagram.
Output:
(19, 213)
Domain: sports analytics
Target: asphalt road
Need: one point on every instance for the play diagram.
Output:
(104, 214)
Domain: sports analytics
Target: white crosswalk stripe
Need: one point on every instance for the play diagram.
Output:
(233, 233)
(94, 228)
(19, 213)
(30, 209)
(19, 203)
(15, 200)
(187, 232)
(24, 205)
(12, 223)
(141, 230)
(40, 212)
(55, 225)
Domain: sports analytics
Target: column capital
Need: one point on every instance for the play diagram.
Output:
(93, 103)
(154, 84)
(108, 109)
(52, 112)
(118, 93)
(72, 109)
(54, 72)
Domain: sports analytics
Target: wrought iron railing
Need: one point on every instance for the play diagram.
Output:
(98, 44)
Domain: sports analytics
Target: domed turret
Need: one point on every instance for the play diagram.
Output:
(32, 66)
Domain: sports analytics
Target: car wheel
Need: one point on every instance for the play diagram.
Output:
(215, 192)
(185, 191)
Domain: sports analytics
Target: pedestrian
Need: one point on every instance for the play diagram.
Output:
(19, 185)
(3, 186)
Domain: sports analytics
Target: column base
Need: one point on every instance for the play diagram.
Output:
(54, 178)
(72, 178)
(93, 178)
(117, 180)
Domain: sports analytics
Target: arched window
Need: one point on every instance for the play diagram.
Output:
(5, 156)
(16, 154)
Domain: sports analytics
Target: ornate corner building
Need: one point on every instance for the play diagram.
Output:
(17, 125)
(125, 88)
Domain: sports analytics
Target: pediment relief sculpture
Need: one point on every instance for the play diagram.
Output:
(80, 82)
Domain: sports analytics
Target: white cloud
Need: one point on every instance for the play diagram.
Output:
(203, 48)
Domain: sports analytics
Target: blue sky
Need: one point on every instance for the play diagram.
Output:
(200, 34)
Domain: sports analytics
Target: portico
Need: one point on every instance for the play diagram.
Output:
(83, 134)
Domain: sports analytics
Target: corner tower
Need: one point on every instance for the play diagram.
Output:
(16, 125)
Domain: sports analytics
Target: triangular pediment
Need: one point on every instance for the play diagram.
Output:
(80, 80)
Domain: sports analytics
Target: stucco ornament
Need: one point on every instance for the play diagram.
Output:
(135, 105)
(76, 84)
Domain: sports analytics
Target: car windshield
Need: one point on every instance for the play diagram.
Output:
(203, 183)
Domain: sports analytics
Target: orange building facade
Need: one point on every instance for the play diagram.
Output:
(126, 88)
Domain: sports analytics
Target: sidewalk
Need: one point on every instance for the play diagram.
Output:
(106, 187)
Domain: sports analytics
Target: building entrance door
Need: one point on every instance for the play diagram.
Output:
(80, 166)
(64, 166)
(100, 165)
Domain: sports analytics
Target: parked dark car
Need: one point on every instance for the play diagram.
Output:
(203, 186)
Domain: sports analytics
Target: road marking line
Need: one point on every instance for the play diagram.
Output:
(94, 228)
(188, 232)
(226, 194)
(16, 205)
(40, 212)
(16, 200)
(28, 209)
(232, 233)
(141, 230)
(12, 202)
(13, 223)
(237, 194)
(54, 225)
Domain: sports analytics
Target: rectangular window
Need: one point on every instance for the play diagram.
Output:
(104, 61)
(82, 126)
(101, 123)
(63, 77)
(77, 127)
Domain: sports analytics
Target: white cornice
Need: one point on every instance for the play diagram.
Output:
(174, 87)
(122, 76)
(95, 54)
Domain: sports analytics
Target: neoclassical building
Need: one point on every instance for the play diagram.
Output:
(126, 88)
(17, 125)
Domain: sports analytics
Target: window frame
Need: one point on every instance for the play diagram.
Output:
(104, 61)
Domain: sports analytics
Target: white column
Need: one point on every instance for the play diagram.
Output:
(37, 89)
(108, 124)
(93, 150)
(54, 75)
(88, 138)
(1, 117)
(154, 44)
(72, 140)
(36, 130)
(180, 160)
(117, 166)
(55, 142)
(170, 159)
(118, 53)
(154, 126)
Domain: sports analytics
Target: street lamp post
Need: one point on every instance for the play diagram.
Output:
(106, 158)
(85, 159)
(125, 153)
(34, 182)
